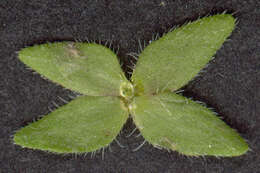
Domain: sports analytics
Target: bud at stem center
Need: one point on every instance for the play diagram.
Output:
(126, 93)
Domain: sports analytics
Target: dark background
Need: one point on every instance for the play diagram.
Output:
(230, 84)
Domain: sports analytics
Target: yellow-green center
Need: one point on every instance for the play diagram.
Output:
(127, 93)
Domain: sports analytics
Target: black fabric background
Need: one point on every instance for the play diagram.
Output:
(230, 84)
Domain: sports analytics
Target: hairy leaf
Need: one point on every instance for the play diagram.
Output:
(174, 122)
(85, 124)
(88, 68)
(177, 57)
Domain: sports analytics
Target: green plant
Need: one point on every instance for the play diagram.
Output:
(164, 118)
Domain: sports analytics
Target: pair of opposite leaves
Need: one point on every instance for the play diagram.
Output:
(165, 119)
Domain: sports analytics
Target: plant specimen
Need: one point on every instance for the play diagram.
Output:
(165, 119)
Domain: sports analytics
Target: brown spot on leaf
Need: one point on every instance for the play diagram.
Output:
(107, 133)
(73, 51)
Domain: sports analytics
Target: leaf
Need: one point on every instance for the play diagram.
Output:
(90, 69)
(177, 123)
(172, 61)
(85, 124)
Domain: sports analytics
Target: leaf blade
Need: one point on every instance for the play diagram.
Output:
(172, 61)
(90, 69)
(83, 125)
(174, 122)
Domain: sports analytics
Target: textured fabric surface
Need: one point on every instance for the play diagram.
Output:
(230, 84)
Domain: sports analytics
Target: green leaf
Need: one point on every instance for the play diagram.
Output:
(85, 124)
(177, 123)
(172, 61)
(90, 69)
